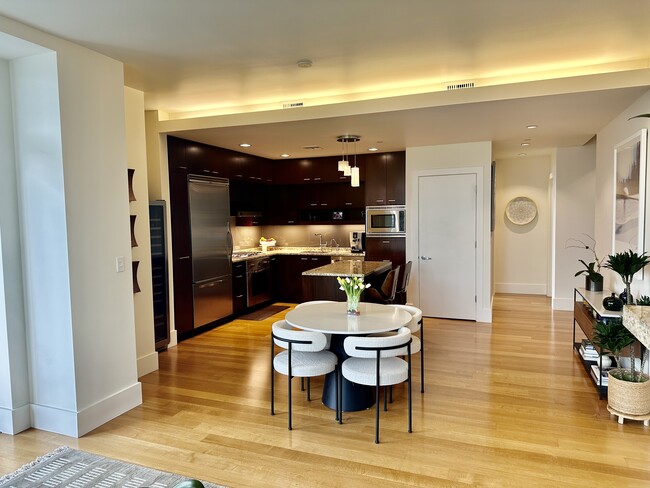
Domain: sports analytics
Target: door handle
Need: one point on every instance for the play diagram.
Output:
(425, 258)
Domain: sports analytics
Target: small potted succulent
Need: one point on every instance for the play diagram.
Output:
(593, 277)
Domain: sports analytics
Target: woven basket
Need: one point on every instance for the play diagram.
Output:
(628, 397)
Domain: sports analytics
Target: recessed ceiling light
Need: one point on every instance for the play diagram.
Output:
(521, 154)
(244, 144)
(532, 126)
(524, 144)
(285, 155)
(373, 149)
(304, 63)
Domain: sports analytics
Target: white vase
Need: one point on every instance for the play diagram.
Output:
(605, 361)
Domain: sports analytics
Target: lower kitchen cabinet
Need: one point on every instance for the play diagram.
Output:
(391, 249)
(239, 287)
(287, 275)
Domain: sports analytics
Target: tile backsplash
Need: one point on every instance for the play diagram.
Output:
(292, 235)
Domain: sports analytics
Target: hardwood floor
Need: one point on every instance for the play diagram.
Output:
(506, 404)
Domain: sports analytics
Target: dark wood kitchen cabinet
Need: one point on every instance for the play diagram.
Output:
(385, 179)
(391, 249)
(239, 287)
(287, 275)
(181, 251)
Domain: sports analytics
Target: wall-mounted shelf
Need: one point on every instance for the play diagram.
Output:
(134, 267)
(131, 194)
(134, 242)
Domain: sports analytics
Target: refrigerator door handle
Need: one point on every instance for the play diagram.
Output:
(229, 234)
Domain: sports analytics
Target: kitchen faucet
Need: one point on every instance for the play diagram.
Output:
(320, 241)
(334, 243)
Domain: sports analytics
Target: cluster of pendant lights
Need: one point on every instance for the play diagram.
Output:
(344, 163)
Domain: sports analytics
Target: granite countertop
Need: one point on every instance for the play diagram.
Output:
(350, 268)
(637, 320)
(295, 251)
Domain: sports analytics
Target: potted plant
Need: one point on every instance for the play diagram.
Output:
(627, 264)
(593, 278)
(628, 390)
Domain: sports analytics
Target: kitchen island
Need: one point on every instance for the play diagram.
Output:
(320, 283)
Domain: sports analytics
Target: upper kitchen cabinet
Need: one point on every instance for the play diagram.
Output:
(385, 178)
(306, 171)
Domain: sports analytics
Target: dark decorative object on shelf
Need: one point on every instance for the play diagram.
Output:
(623, 297)
(131, 194)
(136, 286)
(613, 303)
(134, 242)
(593, 285)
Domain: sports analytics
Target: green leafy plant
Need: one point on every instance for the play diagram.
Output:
(643, 300)
(592, 269)
(627, 264)
(612, 337)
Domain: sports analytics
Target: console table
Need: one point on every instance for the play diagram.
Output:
(585, 304)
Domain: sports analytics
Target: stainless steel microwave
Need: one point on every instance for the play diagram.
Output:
(386, 220)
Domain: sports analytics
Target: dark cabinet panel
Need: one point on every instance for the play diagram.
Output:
(287, 275)
(183, 301)
(391, 249)
(239, 287)
(283, 205)
(385, 178)
(395, 178)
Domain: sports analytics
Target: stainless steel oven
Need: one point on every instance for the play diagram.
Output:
(258, 273)
(386, 220)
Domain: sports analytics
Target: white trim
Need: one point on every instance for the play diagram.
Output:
(562, 304)
(147, 364)
(14, 421)
(482, 314)
(521, 288)
(76, 424)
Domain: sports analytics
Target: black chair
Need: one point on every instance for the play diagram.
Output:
(400, 296)
(386, 294)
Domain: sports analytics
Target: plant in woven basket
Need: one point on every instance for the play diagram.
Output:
(612, 337)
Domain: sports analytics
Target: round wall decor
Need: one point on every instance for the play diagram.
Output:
(521, 210)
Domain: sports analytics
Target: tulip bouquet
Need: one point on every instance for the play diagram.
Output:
(353, 287)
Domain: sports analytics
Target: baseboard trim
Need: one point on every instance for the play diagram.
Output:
(147, 364)
(562, 304)
(173, 338)
(76, 424)
(15, 420)
(521, 288)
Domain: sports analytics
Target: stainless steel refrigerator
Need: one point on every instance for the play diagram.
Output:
(211, 248)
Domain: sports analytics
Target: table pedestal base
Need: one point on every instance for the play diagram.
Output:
(355, 397)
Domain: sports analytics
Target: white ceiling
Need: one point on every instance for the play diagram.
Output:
(239, 56)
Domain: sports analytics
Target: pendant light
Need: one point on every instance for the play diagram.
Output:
(344, 163)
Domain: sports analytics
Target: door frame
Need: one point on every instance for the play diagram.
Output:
(412, 235)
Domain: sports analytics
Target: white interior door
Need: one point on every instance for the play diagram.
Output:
(447, 245)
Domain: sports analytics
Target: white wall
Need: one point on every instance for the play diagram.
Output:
(69, 124)
(574, 178)
(14, 379)
(612, 134)
(143, 301)
(469, 155)
(521, 251)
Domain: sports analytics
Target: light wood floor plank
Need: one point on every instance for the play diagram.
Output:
(506, 404)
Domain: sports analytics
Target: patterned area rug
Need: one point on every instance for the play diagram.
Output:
(77, 469)
(263, 313)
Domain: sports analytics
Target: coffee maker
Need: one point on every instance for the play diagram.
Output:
(357, 241)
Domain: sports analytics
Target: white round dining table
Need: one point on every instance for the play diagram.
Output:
(332, 318)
